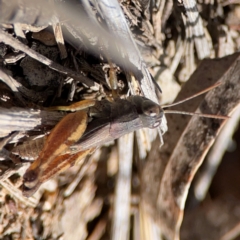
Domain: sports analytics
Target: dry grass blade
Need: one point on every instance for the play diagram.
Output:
(59, 38)
(19, 119)
(195, 28)
(120, 224)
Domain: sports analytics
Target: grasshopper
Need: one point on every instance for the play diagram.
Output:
(92, 124)
(79, 133)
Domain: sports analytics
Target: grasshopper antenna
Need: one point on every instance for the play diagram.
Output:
(193, 96)
(195, 114)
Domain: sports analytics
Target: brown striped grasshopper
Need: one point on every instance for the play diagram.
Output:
(92, 124)
(80, 132)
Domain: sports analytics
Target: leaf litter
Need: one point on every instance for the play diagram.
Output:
(85, 201)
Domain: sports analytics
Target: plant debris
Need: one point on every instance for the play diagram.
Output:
(57, 52)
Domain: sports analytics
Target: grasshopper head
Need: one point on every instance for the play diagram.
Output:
(150, 113)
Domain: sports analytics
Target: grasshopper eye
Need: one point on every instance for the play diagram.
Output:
(150, 108)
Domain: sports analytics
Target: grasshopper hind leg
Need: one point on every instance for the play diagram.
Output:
(33, 179)
(56, 154)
